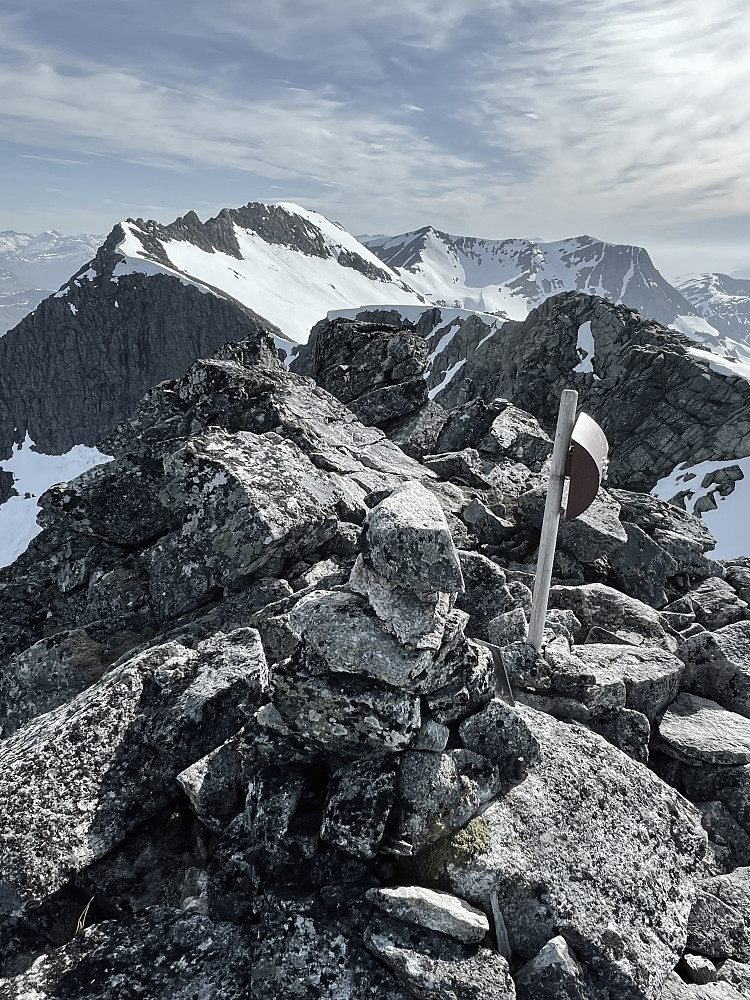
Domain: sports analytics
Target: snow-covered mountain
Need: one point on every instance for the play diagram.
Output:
(511, 277)
(147, 303)
(153, 298)
(723, 301)
(288, 265)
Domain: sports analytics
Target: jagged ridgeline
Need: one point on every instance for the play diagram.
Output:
(251, 741)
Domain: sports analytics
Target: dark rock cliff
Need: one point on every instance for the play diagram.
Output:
(658, 405)
(76, 366)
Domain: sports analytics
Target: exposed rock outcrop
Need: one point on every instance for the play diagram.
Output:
(248, 658)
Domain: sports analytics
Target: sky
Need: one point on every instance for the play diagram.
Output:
(623, 119)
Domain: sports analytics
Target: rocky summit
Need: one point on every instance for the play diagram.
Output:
(256, 737)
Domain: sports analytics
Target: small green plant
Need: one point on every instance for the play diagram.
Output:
(430, 866)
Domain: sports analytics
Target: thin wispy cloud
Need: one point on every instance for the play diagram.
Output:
(54, 159)
(497, 118)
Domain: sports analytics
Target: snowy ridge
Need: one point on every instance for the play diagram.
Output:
(290, 288)
(722, 300)
(513, 276)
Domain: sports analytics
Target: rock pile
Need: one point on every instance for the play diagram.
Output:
(254, 742)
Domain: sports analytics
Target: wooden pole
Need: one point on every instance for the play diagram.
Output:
(566, 419)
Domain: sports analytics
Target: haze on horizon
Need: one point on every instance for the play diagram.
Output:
(546, 119)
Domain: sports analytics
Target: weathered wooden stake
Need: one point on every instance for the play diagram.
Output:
(566, 419)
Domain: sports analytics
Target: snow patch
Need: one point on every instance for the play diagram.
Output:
(728, 523)
(33, 474)
(722, 365)
(585, 346)
(446, 378)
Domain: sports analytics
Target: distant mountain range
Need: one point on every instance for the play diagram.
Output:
(150, 299)
(33, 267)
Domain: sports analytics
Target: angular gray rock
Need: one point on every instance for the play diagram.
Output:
(695, 729)
(486, 592)
(736, 974)
(341, 635)
(46, 675)
(518, 435)
(440, 792)
(417, 433)
(608, 676)
(510, 626)
(417, 620)
(434, 967)
(406, 539)
(304, 951)
(117, 748)
(677, 989)
(697, 969)
(161, 952)
(738, 576)
(716, 604)
(500, 734)
(719, 924)
(629, 619)
(358, 803)
(728, 843)
(681, 536)
(266, 495)
(717, 666)
(628, 730)
(553, 974)
(642, 568)
(373, 365)
(348, 714)
(435, 911)
(595, 534)
(585, 847)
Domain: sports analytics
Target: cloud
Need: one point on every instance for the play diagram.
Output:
(495, 118)
(296, 134)
(54, 159)
(641, 109)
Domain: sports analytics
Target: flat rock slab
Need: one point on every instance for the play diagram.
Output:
(160, 953)
(695, 729)
(436, 911)
(593, 846)
(434, 967)
(595, 604)
(650, 674)
(75, 781)
(343, 635)
(676, 989)
(352, 715)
